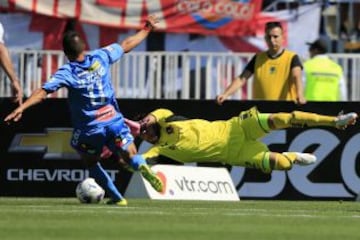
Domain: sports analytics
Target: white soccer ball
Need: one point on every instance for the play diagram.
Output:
(88, 191)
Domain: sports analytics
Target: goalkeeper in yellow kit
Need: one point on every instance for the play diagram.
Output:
(234, 141)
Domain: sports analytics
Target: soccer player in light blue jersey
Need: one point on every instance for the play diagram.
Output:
(95, 115)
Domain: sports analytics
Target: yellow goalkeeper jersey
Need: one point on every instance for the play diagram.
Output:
(198, 140)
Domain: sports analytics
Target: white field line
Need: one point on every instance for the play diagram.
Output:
(96, 209)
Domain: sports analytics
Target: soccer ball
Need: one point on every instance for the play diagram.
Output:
(88, 191)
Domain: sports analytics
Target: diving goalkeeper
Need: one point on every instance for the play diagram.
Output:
(234, 141)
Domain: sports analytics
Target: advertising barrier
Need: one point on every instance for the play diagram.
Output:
(36, 160)
(185, 183)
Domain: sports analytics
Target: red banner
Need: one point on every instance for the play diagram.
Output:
(208, 17)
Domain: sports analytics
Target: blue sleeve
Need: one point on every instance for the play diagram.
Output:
(113, 52)
(58, 80)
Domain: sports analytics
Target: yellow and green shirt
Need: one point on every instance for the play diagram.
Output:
(198, 140)
(323, 79)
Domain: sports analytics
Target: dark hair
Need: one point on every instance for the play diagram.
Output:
(73, 45)
(320, 45)
(271, 25)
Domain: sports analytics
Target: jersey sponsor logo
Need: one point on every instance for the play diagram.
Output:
(96, 65)
(105, 113)
(83, 73)
(54, 143)
(272, 70)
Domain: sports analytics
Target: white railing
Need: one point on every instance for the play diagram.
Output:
(162, 75)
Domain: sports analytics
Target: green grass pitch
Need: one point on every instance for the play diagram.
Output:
(66, 218)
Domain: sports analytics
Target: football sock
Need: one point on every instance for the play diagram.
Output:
(266, 168)
(301, 119)
(104, 180)
(136, 161)
(277, 161)
(264, 121)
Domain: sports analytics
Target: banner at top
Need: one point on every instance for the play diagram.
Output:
(208, 17)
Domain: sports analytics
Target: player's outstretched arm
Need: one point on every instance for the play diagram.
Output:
(36, 97)
(131, 42)
(236, 84)
(296, 74)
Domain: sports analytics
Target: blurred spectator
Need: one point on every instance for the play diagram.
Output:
(7, 66)
(277, 71)
(323, 77)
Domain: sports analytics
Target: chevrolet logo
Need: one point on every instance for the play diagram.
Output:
(54, 143)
